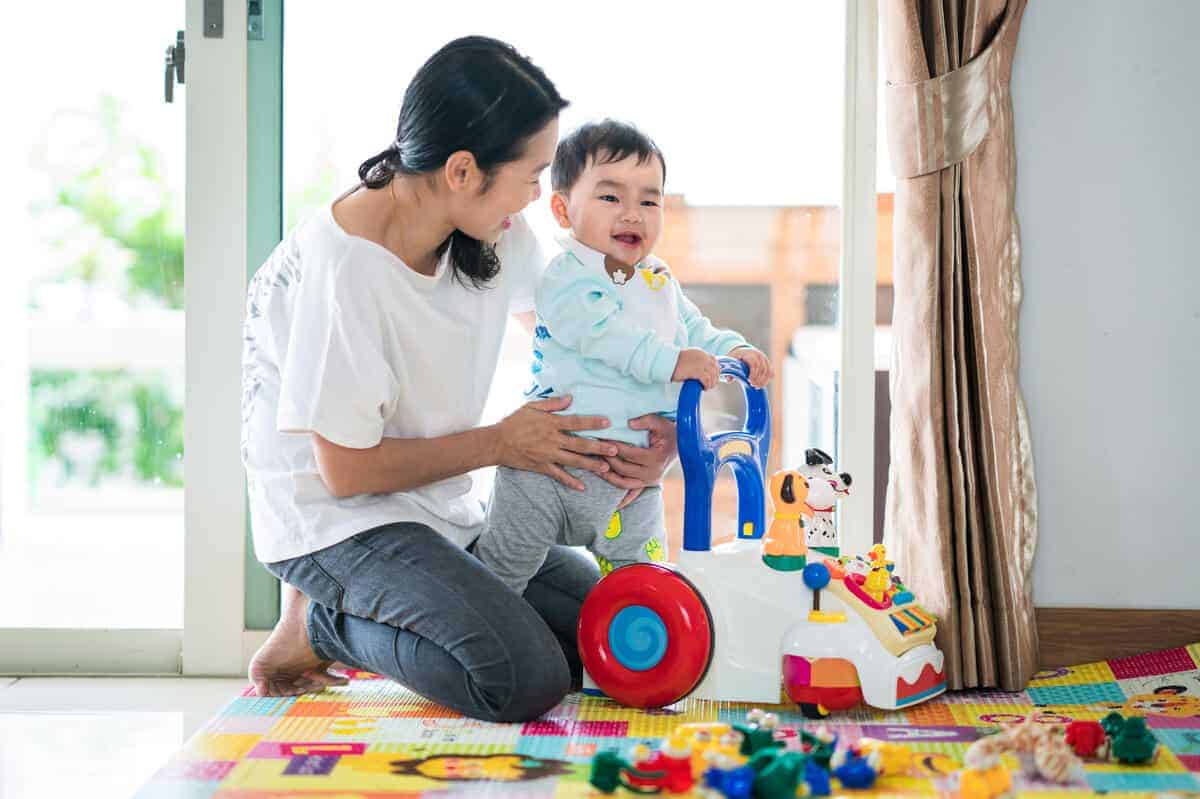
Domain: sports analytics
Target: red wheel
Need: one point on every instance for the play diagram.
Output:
(645, 635)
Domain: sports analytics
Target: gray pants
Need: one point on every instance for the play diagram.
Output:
(404, 602)
(531, 513)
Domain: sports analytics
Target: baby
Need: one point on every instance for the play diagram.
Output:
(615, 331)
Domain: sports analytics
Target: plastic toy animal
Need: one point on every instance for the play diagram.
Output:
(826, 488)
(784, 547)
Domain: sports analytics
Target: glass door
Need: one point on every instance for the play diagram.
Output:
(92, 328)
(120, 544)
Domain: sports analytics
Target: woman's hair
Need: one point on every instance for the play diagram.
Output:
(605, 143)
(475, 94)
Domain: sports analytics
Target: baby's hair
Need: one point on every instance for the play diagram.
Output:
(605, 143)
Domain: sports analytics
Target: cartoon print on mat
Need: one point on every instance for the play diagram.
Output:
(1171, 701)
(492, 768)
(1039, 717)
(933, 764)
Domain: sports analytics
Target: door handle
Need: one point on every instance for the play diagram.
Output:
(176, 57)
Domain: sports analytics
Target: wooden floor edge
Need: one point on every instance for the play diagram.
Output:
(1071, 636)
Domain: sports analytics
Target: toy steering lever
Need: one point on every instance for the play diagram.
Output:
(703, 456)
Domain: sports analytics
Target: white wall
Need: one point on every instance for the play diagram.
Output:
(1107, 111)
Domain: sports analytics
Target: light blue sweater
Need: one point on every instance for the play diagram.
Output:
(612, 346)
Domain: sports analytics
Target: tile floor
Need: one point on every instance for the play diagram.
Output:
(97, 737)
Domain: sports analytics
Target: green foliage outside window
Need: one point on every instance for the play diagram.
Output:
(122, 204)
(105, 423)
(110, 224)
(113, 225)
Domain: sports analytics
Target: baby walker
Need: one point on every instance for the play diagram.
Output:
(733, 622)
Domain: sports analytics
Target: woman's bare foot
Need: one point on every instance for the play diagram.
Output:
(286, 664)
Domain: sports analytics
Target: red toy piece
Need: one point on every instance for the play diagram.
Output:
(675, 768)
(1085, 737)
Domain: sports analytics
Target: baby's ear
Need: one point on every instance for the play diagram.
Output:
(558, 207)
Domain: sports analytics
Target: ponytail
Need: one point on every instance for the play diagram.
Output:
(475, 94)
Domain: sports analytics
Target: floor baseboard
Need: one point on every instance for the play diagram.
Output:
(1070, 636)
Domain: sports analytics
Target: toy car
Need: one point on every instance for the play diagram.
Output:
(729, 623)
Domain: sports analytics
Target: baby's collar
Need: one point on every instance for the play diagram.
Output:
(593, 258)
(590, 257)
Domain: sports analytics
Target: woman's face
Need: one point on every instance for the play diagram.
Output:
(485, 216)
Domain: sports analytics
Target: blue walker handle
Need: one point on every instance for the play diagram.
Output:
(703, 456)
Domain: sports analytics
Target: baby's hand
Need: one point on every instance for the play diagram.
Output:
(696, 364)
(761, 370)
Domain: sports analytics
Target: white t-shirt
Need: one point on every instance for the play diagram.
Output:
(343, 339)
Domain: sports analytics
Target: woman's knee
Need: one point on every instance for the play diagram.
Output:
(538, 679)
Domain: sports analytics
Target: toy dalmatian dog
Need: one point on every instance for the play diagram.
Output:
(825, 487)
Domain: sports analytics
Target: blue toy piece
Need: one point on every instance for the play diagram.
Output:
(702, 457)
(734, 783)
(856, 772)
(817, 779)
(816, 576)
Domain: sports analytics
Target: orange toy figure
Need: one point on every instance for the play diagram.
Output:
(783, 547)
(983, 775)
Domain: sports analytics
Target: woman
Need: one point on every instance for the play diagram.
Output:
(372, 336)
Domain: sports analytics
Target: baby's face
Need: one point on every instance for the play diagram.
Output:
(616, 208)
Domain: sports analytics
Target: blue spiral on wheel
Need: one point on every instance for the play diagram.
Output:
(638, 638)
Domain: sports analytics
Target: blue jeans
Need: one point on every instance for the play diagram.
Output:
(402, 601)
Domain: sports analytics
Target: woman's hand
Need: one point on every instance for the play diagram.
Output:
(637, 467)
(537, 439)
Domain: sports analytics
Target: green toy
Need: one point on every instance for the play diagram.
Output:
(758, 733)
(606, 771)
(822, 747)
(608, 768)
(777, 773)
(1112, 724)
(1135, 743)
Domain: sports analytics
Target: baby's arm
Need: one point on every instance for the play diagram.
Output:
(704, 335)
(701, 332)
(585, 314)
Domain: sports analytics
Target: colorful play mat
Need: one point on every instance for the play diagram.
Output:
(374, 739)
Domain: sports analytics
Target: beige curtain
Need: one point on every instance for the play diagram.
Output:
(962, 505)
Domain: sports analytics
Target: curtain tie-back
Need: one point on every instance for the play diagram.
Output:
(938, 122)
